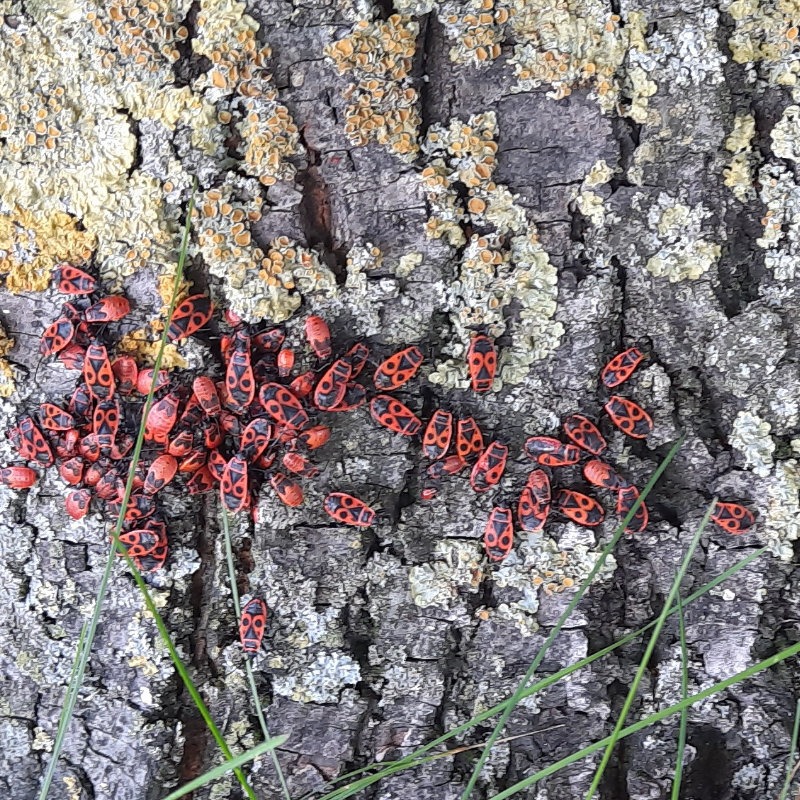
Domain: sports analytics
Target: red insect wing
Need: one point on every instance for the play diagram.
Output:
(469, 439)
(355, 395)
(190, 315)
(629, 417)
(252, 625)
(289, 491)
(561, 455)
(212, 435)
(598, 473)
(233, 487)
(579, 507)
(282, 406)
(140, 506)
(285, 362)
(446, 466)
(181, 444)
(105, 422)
(147, 377)
(534, 502)
(193, 461)
(584, 433)
(625, 500)
(398, 369)
(332, 385)
(161, 472)
(56, 336)
(163, 415)
(428, 493)
(71, 280)
(72, 356)
(255, 439)
(392, 414)
(357, 357)
(216, 465)
(537, 445)
(621, 367)
(33, 445)
(54, 418)
(315, 437)
(139, 543)
(489, 467)
(110, 487)
(71, 471)
(95, 471)
(109, 309)
(482, 363)
(240, 384)
(303, 384)
(77, 503)
(123, 444)
(126, 373)
(319, 337)
(438, 432)
(206, 393)
(153, 561)
(269, 341)
(498, 535)
(733, 518)
(97, 372)
(299, 465)
(89, 447)
(17, 477)
(348, 510)
(193, 413)
(201, 482)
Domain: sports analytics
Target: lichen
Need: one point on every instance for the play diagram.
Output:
(144, 345)
(32, 244)
(779, 526)
(321, 681)
(503, 266)
(751, 438)
(571, 43)
(383, 105)
(257, 285)
(678, 232)
(739, 172)
(455, 567)
(765, 33)
(476, 28)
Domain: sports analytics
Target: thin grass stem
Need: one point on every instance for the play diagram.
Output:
(247, 665)
(682, 725)
(790, 769)
(651, 645)
(578, 596)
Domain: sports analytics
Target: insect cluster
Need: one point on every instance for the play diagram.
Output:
(258, 427)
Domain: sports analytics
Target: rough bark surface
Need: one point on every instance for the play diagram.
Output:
(380, 640)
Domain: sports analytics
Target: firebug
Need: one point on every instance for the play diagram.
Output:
(252, 625)
(348, 510)
(469, 439)
(160, 473)
(282, 405)
(733, 518)
(489, 467)
(498, 535)
(190, 315)
(126, 373)
(438, 432)
(357, 357)
(290, 492)
(233, 487)
(579, 507)
(17, 477)
(319, 337)
(584, 433)
(285, 361)
(629, 417)
(97, 372)
(108, 309)
(77, 503)
(625, 499)
(398, 369)
(598, 473)
(54, 418)
(445, 466)
(71, 280)
(57, 336)
(534, 502)
(332, 385)
(621, 367)
(392, 414)
(482, 363)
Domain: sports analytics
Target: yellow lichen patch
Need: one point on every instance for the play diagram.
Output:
(476, 28)
(240, 82)
(383, 105)
(766, 33)
(738, 174)
(571, 43)
(257, 285)
(507, 265)
(32, 244)
(144, 344)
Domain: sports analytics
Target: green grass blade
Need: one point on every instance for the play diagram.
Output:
(791, 770)
(681, 749)
(651, 645)
(84, 651)
(418, 756)
(721, 686)
(226, 767)
(518, 694)
(248, 666)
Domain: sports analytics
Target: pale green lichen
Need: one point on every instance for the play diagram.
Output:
(780, 237)
(765, 33)
(785, 134)
(321, 681)
(383, 105)
(739, 172)
(751, 438)
(684, 252)
(589, 202)
(779, 525)
(454, 570)
(476, 29)
(504, 266)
